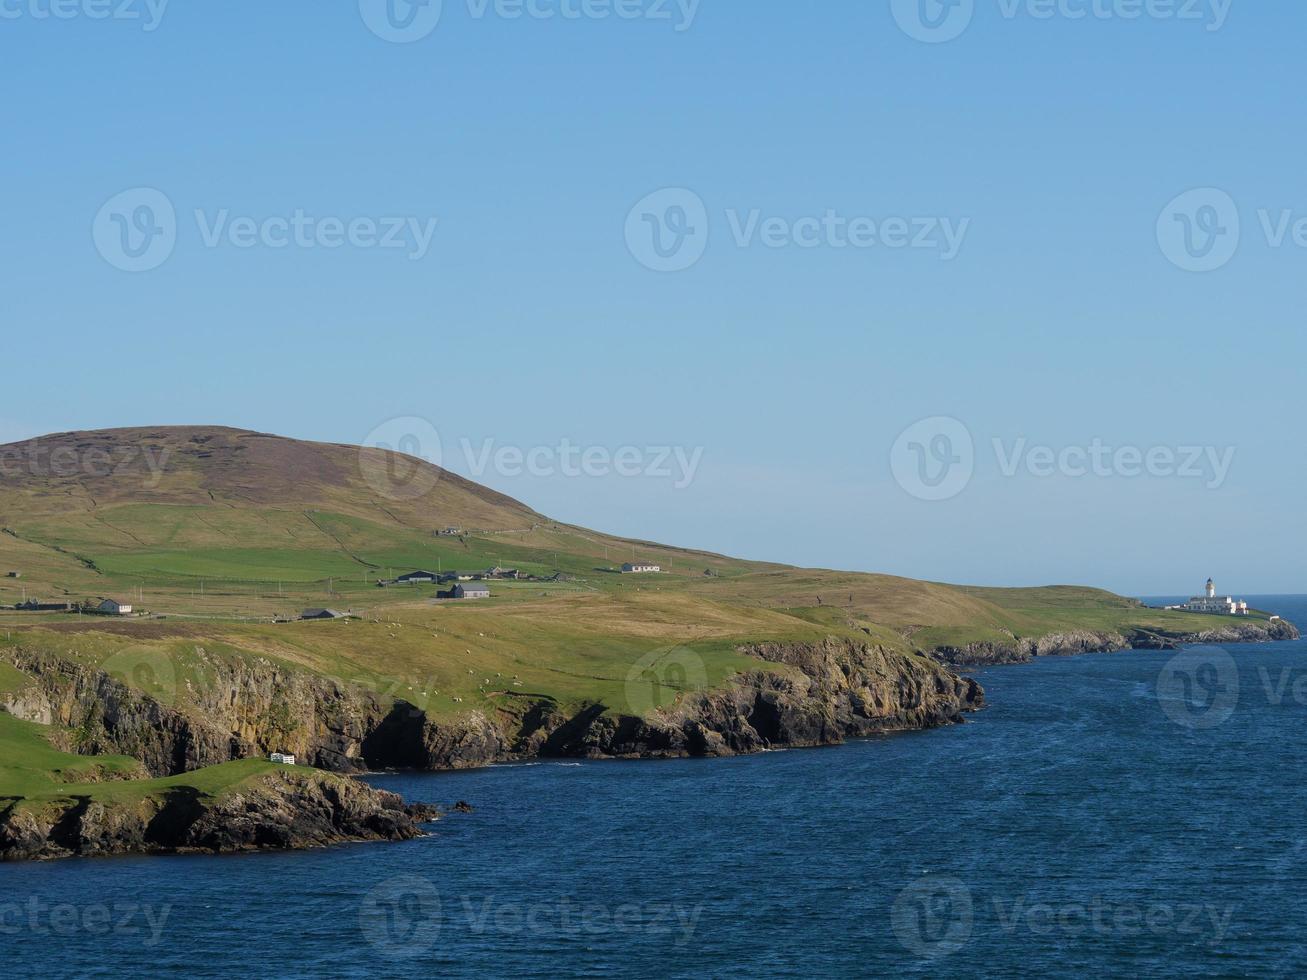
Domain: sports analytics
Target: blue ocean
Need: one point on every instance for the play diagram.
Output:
(1138, 814)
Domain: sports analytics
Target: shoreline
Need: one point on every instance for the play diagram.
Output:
(1076, 642)
(829, 694)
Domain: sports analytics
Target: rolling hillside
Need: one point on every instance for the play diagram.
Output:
(222, 524)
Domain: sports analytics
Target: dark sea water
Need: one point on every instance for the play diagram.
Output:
(1121, 815)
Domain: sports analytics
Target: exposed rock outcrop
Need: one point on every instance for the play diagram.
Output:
(835, 690)
(240, 708)
(825, 693)
(1023, 650)
(1231, 631)
(829, 692)
(281, 810)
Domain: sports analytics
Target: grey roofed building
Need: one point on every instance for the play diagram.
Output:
(473, 590)
(418, 577)
(322, 614)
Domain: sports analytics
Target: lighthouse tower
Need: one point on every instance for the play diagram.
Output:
(1211, 589)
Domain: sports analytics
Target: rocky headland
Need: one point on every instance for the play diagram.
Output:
(277, 810)
(1023, 650)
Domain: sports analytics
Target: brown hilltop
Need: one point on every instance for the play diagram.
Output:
(207, 465)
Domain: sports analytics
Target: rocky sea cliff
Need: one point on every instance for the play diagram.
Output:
(828, 692)
(823, 694)
(279, 810)
(1023, 650)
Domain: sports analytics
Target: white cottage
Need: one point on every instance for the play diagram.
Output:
(640, 568)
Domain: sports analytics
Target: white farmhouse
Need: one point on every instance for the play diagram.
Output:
(1214, 604)
(640, 568)
(283, 758)
(111, 607)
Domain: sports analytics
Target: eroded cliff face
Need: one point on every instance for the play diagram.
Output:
(1231, 631)
(833, 691)
(830, 692)
(1023, 650)
(281, 810)
(822, 694)
(240, 709)
(826, 693)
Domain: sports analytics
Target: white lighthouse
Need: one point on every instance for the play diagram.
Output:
(1212, 603)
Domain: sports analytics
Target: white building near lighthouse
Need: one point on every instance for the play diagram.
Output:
(1211, 603)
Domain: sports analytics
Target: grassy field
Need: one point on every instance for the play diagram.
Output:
(446, 658)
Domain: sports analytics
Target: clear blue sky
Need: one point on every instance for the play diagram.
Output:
(529, 321)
